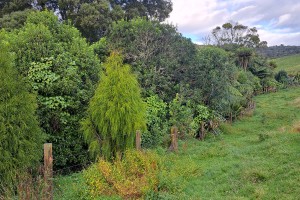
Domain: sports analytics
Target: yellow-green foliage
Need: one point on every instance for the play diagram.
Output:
(130, 177)
(20, 135)
(115, 112)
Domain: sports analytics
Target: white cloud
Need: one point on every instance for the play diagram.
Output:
(277, 21)
(283, 18)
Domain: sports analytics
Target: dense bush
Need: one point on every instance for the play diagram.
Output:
(63, 69)
(157, 53)
(157, 122)
(181, 116)
(131, 177)
(214, 75)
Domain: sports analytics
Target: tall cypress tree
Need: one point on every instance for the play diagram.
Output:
(115, 112)
(20, 136)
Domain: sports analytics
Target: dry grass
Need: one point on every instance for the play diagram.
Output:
(282, 129)
(296, 127)
(296, 103)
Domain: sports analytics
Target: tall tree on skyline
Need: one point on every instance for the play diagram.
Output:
(235, 34)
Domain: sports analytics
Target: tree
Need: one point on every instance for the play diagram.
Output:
(244, 55)
(93, 19)
(63, 69)
(235, 34)
(115, 112)
(8, 6)
(20, 135)
(212, 74)
(14, 20)
(157, 53)
(151, 9)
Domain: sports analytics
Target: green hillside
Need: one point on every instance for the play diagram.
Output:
(255, 158)
(291, 64)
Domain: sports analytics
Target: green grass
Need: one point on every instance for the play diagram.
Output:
(257, 157)
(291, 64)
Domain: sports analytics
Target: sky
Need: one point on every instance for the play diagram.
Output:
(277, 21)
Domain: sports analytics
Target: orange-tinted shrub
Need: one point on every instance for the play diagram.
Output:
(130, 177)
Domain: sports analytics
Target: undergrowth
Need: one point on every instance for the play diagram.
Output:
(256, 157)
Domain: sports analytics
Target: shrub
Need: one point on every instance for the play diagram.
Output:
(202, 115)
(133, 176)
(269, 84)
(282, 77)
(273, 64)
(115, 112)
(20, 135)
(181, 115)
(157, 124)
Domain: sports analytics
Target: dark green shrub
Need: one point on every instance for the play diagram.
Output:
(181, 116)
(63, 69)
(282, 77)
(157, 124)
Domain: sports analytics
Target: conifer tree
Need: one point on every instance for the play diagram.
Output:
(115, 112)
(20, 136)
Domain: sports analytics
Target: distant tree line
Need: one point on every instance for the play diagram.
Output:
(278, 51)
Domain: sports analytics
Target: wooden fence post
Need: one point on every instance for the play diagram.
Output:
(48, 171)
(138, 140)
(174, 139)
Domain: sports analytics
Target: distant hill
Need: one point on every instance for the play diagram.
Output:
(279, 51)
(291, 64)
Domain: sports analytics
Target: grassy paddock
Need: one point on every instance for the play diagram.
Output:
(255, 158)
(291, 64)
